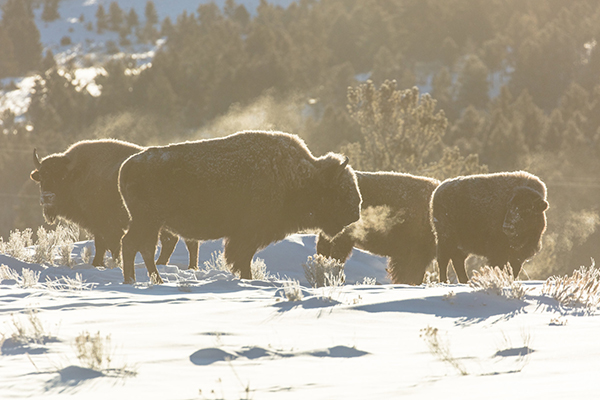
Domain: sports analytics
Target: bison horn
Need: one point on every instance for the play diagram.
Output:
(36, 159)
(345, 163)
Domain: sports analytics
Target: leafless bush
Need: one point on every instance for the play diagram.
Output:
(499, 281)
(292, 291)
(582, 289)
(324, 271)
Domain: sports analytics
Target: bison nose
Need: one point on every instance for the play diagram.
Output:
(509, 230)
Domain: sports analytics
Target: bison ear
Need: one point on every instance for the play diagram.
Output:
(35, 175)
(336, 170)
(540, 205)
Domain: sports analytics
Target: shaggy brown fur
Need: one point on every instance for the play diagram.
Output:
(499, 216)
(80, 185)
(394, 223)
(251, 188)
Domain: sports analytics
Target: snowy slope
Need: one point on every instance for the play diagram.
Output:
(88, 49)
(210, 336)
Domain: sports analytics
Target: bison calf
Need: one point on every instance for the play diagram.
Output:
(251, 188)
(499, 216)
(394, 223)
(80, 185)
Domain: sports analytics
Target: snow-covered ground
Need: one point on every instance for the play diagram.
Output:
(206, 335)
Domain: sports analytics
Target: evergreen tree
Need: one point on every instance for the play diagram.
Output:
(101, 19)
(19, 25)
(150, 14)
(115, 17)
(132, 20)
(48, 62)
(473, 83)
(50, 12)
(166, 28)
(8, 62)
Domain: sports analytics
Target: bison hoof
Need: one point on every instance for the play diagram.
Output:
(156, 279)
(128, 281)
(193, 267)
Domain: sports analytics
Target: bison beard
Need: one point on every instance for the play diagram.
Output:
(250, 188)
(499, 216)
(80, 185)
(394, 223)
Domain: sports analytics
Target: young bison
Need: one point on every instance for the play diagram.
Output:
(394, 223)
(251, 188)
(80, 185)
(499, 216)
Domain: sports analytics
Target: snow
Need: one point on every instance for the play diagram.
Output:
(207, 335)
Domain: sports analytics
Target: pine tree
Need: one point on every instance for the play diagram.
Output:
(101, 19)
(151, 14)
(8, 63)
(19, 24)
(473, 83)
(115, 16)
(132, 20)
(50, 12)
(48, 62)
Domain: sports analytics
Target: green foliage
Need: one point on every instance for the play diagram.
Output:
(402, 131)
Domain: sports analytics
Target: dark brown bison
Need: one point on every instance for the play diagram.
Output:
(499, 216)
(394, 223)
(251, 188)
(80, 185)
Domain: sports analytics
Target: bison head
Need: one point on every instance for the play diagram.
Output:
(524, 217)
(51, 174)
(335, 198)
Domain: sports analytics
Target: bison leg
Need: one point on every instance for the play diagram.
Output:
(144, 240)
(192, 246)
(408, 269)
(340, 247)
(239, 256)
(100, 246)
(458, 262)
(168, 242)
(324, 245)
(445, 253)
(516, 267)
(443, 258)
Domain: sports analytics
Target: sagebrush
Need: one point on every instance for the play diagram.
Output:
(323, 271)
(499, 281)
(581, 289)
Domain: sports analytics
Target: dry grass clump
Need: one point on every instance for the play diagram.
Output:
(499, 281)
(58, 242)
(440, 348)
(18, 242)
(93, 351)
(49, 245)
(30, 332)
(96, 353)
(66, 283)
(28, 279)
(582, 289)
(323, 271)
(292, 290)
(217, 262)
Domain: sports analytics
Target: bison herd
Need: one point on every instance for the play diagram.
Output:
(254, 187)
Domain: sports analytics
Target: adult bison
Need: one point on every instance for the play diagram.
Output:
(499, 216)
(251, 188)
(394, 223)
(80, 185)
